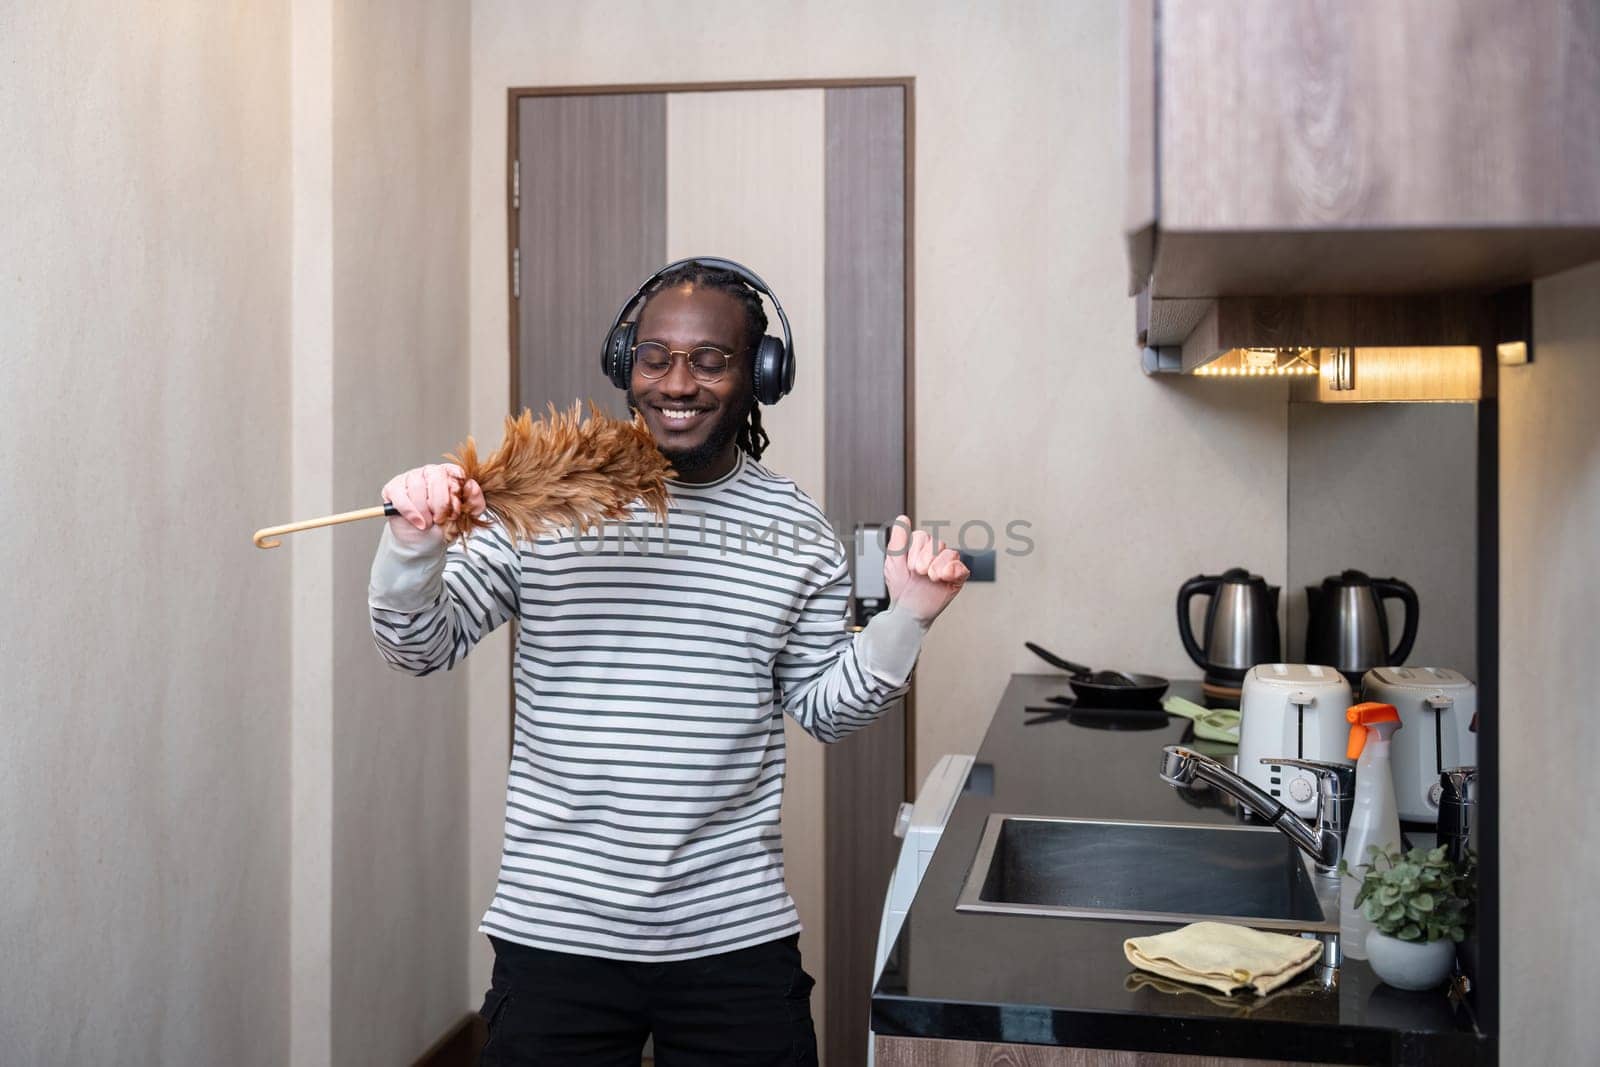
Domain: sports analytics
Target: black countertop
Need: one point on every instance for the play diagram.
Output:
(1057, 981)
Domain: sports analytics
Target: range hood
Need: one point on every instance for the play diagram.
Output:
(1365, 347)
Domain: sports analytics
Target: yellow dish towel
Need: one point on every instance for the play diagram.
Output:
(1224, 957)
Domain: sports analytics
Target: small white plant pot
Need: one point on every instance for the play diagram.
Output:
(1410, 964)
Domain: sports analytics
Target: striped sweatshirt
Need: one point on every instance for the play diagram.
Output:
(654, 663)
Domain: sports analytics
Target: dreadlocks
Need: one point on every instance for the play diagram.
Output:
(751, 437)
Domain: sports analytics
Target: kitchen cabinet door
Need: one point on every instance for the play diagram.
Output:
(1358, 146)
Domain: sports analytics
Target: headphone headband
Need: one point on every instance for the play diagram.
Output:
(744, 273)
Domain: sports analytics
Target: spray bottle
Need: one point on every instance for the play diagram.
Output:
(1374, 819)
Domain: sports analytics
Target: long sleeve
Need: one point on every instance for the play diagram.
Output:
(834, 682)
(431, 604)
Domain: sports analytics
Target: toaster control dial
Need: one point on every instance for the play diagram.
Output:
(1301, 789)
(1435, 791)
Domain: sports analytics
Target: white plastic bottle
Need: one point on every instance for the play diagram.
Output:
(1374, 820)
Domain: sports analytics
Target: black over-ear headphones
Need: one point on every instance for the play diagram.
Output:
(772, 366)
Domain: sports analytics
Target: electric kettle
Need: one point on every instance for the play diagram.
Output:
(1348, 627)
(1241, 625)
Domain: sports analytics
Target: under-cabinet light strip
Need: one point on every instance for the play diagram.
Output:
(1255, 372)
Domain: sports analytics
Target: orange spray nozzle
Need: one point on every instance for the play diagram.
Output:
(1362, 718)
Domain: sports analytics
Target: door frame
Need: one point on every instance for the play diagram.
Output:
(514, 96)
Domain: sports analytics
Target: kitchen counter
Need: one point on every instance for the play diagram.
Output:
(1048, 980)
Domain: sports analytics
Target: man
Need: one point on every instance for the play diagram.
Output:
(641, 888)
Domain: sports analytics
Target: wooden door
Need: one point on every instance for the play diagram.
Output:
(589, 223)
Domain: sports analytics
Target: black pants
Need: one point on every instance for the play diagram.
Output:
(751, 1006)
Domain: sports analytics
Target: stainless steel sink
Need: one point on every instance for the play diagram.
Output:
(1147, 872)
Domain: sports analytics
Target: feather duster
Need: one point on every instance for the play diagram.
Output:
(563, 471)
(558, 471)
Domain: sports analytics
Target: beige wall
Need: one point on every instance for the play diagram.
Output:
(144, 379)
(1549, 733)
(1392, 490)
(1029, 401)
(311, 558)
(236, 291)
(398, 386)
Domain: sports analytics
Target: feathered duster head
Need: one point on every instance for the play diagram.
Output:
(564, 471)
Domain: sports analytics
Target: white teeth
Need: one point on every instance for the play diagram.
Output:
(678, 413)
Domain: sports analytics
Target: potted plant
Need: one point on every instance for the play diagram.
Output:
(1419, 905)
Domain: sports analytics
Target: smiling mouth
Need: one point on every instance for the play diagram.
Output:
(679, 418)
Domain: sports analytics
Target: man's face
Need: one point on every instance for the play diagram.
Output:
(684, 318)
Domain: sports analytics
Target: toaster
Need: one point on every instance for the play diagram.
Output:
(1436, 706)
(1295, 710)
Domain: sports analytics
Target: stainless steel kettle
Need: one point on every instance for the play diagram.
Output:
(1348, 628)
(1241, 625)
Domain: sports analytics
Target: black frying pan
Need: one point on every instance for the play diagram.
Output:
(1106, 689)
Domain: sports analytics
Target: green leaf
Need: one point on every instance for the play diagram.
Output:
(1420, 890)
(1410, 932)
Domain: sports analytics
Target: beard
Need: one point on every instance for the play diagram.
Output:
(690, 462)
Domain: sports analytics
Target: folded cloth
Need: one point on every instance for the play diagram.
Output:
(1212, 724)
(1224, 957)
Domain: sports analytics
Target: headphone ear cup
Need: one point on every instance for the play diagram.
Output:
(774, 371)
(617, 360)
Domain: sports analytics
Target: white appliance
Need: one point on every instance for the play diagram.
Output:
(1292, 709)
(920, 825)
(1436, 706)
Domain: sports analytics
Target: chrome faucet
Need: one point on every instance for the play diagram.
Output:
(1335, 795)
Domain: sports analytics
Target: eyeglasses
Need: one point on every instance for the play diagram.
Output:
(706, 363)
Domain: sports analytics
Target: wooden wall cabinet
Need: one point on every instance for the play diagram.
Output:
(1359, 146)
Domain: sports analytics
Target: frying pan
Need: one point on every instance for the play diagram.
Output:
(1105, 689)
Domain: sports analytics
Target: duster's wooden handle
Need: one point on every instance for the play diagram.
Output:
(266, 538)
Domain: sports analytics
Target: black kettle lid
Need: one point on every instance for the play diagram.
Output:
(1242, 576)
(1348, 578)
